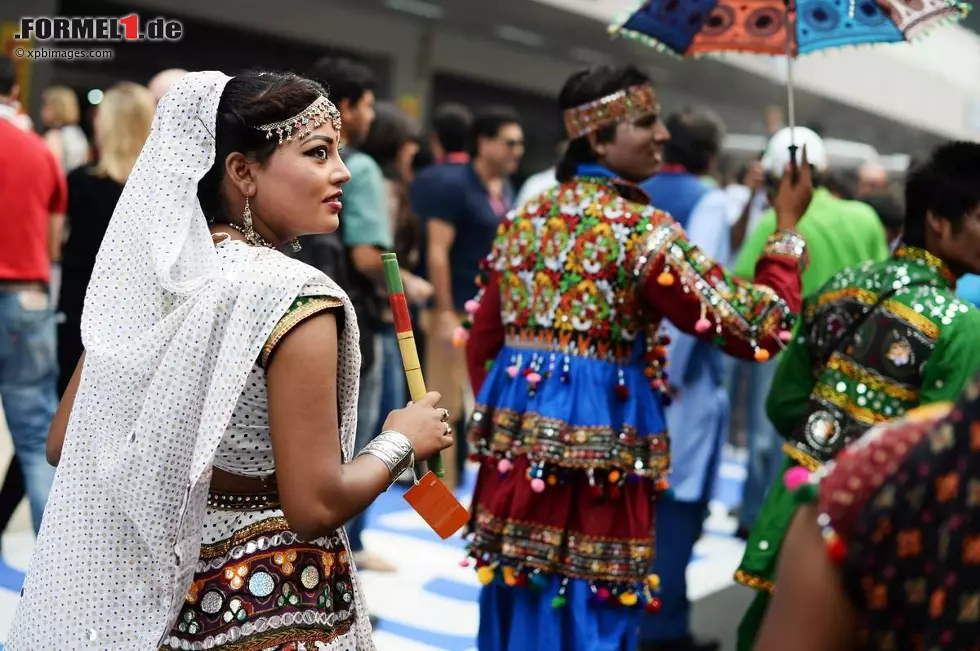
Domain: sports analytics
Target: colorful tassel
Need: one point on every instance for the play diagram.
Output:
(806, 494)
(460, 336)
(795, 477)
(836, 549)
(485, 575)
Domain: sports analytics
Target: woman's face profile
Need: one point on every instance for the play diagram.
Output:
(297, 191)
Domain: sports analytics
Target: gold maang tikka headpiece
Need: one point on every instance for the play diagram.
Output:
(625, 105)
(304, 122)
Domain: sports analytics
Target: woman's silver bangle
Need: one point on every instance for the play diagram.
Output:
(395, 451)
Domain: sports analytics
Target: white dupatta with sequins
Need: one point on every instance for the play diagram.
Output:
(171, 331)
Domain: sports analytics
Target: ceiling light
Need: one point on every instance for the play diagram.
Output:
(518, 35)
(418, 8)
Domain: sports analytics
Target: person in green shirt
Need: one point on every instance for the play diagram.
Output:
(874, 342)
(841, 233)
(838, 233)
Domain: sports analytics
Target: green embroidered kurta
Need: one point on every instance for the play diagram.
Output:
(921, 345)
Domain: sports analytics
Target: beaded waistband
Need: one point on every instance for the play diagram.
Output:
(243, 502)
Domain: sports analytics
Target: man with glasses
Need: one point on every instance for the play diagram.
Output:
(461, 220)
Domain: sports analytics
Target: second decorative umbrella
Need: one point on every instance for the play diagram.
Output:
(781, 27)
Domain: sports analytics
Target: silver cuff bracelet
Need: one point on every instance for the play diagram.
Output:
(395, 451)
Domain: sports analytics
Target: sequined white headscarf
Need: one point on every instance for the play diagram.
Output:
(171, 331)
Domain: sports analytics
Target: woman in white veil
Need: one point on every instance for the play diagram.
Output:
(205, 442)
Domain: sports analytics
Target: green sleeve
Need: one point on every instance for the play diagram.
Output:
(954, 361)
(364, 220)
(792, 383)
(753, 245)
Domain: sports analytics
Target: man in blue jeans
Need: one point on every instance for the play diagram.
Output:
(765, 444)
(33, 195)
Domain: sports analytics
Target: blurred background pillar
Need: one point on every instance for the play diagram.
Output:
(411, 82)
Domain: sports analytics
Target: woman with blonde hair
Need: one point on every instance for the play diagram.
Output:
(122, 124)
(66, 140)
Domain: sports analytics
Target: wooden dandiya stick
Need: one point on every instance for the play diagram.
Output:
(406, 340)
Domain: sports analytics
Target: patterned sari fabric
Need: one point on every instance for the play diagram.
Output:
(569, 428)
(257, 586)
(898, 513)
(908, 340)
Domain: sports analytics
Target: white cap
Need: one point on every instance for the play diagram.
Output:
(776, 157)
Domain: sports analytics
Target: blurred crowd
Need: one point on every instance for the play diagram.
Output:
(434, 194)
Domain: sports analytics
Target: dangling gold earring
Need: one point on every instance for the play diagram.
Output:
(297, 247)
(247, 222)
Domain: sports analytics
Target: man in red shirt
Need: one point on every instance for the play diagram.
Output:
(33, 197)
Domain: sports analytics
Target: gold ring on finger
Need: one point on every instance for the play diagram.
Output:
(445, 415)
(449, 430)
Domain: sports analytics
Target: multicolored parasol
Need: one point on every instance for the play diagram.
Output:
(781, 27)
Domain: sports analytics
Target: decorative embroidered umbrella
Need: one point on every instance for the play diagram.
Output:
(781, 27)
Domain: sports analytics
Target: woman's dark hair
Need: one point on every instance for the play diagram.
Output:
(8, 76)
(889, 210)
(695, 139)
(452, 124)
(947, 185)
(251, 99)
(584, 87)
(390, 131)
(344, 79)
(835, 183)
